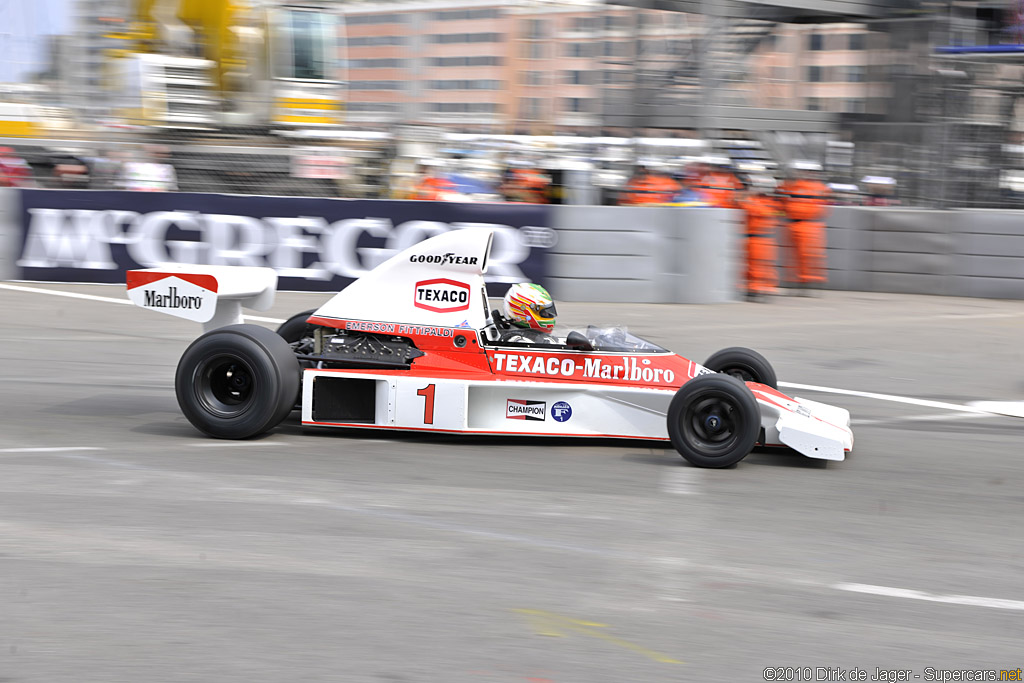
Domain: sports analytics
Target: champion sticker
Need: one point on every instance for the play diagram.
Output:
(516, 409)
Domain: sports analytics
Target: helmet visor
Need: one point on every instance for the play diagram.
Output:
(544, 311)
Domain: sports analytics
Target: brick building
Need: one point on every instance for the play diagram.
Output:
(482, 66)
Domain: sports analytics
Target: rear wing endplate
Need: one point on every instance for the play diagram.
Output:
(211, 295)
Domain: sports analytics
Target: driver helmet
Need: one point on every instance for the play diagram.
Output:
(530, 305)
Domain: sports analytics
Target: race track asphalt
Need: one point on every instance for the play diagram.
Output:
(134, 549)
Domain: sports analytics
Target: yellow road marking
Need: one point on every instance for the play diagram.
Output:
(550, 624)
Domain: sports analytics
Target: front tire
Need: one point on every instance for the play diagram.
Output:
(744, 364)
(714, 421)
(237, 382)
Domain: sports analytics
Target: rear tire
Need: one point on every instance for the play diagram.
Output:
(295, 328)
(743, 364)
(714, 421)
(237, 382)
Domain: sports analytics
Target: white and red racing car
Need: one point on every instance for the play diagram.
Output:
(414, 345)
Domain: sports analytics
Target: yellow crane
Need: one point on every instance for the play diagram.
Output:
(212, 63)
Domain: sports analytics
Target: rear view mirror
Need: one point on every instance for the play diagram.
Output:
(577, 341)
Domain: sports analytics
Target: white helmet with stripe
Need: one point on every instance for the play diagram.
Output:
(530, 305)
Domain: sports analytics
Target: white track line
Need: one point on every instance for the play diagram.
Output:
(261, 319)
(109, 300)
(969, 600)
(886, 397)
(70, 295)
(978, 316)
(53, 449)
(934, 417)
(237, 444)
(1008, 408)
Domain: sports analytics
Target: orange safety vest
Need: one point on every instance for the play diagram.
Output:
(433, 189)
(529, 186)
(650, 189)
(762, 215)
(805, 200)
(719, 189)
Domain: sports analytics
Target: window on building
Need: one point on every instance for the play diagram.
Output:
(854, 105)
(375, 85)
(532, 78)
(856, 41)
(855, 74)
(813, 104)
(464, 107)
(815, 41)
(814, 74)
(373, 41)
(478, 84)
(614, 48)
(576, 77)
(362, 107)
(535, 50)
(535, 29)
(529, 108)
(779, 73)
(584, 23)
(614, 23)
(483, 60)
(578, 50)
(577, 105)
(452, 38)
(372, 19)
(676, 47)
(376, 63)
(615, 77)
(463, 14)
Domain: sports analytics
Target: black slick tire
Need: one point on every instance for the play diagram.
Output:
(237, 382)
(714, 421)
(744, 364)
(295, 328)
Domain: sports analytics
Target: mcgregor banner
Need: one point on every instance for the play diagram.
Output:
(313, 244)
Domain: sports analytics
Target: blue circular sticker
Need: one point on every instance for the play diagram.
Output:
(561, 411)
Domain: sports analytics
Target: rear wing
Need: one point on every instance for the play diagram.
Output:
(211, 295)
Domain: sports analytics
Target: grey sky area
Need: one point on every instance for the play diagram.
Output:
(25, 25)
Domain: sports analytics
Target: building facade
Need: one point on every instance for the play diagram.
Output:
(544, 68)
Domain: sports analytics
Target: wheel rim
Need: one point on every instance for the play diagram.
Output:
(741, 373)
(226, 385)
(712, 422)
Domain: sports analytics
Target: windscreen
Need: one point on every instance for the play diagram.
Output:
(618, 339)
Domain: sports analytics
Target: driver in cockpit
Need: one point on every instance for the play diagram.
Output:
(531, 312)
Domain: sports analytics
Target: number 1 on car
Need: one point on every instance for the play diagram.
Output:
(427, 393)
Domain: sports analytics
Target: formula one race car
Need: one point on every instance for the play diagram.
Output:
(414, 345)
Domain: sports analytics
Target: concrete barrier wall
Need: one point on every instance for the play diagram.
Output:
(10, 232)
(648, 255)
(690, 255)
(954, 253)
(694, 255)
